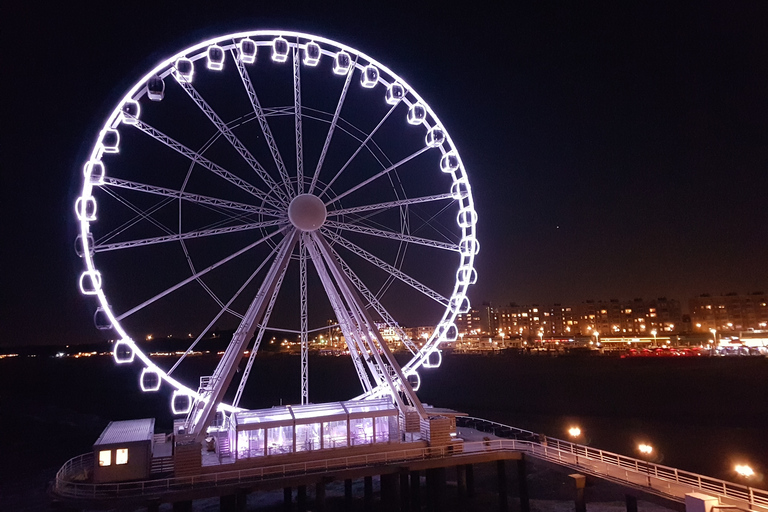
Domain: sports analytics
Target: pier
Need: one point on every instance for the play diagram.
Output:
(400, 468)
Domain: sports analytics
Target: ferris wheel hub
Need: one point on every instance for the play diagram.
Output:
(307, 212)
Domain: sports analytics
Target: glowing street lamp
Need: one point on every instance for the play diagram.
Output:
(744, 471)
(654, 337)
(645, 451)
(714, 340)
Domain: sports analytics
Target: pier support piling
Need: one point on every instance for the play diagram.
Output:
(348, 494)
(522, 486)
(368, 492)
(436, 489)
(320, 496)
(461, 483)
(405, 498)
(631, 503)
(501, 476)
(182, 506)
(469, 469)
(301, 498)
(580, 482)
(287, 499)
(415, 490)
(389, 491)
(236, 502)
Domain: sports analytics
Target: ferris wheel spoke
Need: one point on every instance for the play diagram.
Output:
(352, 338)
(224, 309)
(297, 122)
(261, 117)
(231, 138)
(388, 205)
(392, 235)
(197, 275)
(379, 174)
(259, 337)
(193, 198)
(359, 148)
(204, 162)
(185, 236)
(402, 276)
(303, 311)
(332, 128)
(375, 304)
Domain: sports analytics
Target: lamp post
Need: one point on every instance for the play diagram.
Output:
(654, 337)
(645, 451)
(714, 340)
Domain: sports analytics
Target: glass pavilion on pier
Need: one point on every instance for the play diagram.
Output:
(300, 428)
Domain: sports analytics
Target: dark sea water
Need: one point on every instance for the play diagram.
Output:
(701, 414)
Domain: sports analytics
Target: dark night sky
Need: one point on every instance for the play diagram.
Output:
(614, 152)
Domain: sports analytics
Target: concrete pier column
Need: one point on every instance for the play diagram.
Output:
(182, 506)
(320, 496)
(631, 503)
(389, 499)
(522, 486)
(228, 503)
(436, 489)
(287, 499)
(461, 482)
(301, 498)
(153, 507)
(415, 490)
(580, 481)
(348, 494)
(368, 492)
(469, 469)
(405, 498)
(501, 479)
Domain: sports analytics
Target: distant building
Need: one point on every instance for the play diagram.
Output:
(613, 317)
(469, 323)
(729, 312)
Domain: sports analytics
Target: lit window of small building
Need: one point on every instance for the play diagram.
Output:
(105, 457)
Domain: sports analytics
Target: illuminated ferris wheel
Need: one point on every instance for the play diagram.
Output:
(263, 182)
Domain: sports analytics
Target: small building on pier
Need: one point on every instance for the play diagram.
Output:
(124, 451)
